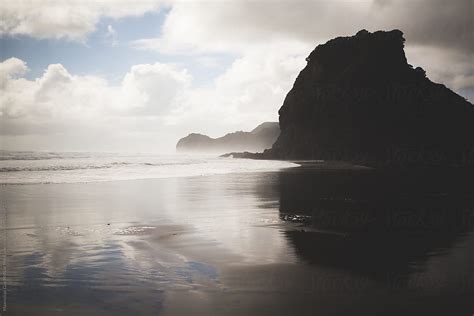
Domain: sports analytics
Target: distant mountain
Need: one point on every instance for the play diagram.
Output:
(358, 100)
(260, 138)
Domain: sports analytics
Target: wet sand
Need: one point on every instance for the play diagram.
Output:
(302, 241)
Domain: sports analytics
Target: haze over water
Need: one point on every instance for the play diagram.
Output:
(76, 167)
(316, 239)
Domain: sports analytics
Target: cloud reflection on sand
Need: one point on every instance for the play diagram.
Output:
(227, 244)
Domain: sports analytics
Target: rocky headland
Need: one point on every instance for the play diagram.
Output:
(358, 100)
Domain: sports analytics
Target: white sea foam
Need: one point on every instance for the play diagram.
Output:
(36, 168)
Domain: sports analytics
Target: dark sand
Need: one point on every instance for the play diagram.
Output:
(302, 241)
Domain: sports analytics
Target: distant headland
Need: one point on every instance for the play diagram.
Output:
(260, 138)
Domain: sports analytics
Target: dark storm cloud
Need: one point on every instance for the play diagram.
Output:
(438, 33)
(446, 24)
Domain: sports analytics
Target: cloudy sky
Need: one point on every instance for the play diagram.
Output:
(122, 75)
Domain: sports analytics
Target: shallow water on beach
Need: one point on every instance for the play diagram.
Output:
(299, 241)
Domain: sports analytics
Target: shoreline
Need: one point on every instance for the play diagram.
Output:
(99, 171)
(238, 240)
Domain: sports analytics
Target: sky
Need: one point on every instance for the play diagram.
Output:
(135, 76)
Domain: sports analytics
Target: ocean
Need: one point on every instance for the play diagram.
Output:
(70, 167)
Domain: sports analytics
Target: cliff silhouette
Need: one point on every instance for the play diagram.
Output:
(359, 100)
(260, 138)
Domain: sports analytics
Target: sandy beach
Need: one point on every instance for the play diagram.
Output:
(264, 243)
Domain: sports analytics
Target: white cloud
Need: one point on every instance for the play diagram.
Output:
(159, 103)
(10, 68)
(60, 102)
(155, 89)
(208, 61)
(155, 104)
(229, 26)
(147, 87)
(441, 28)
(248, 93)
(233, 25)
(71, 19)
(240, 26)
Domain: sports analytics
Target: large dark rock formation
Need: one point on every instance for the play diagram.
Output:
(260, 138)
(359, 100)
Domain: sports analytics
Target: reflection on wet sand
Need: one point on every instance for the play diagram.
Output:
(295, 242)
(388, 226)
